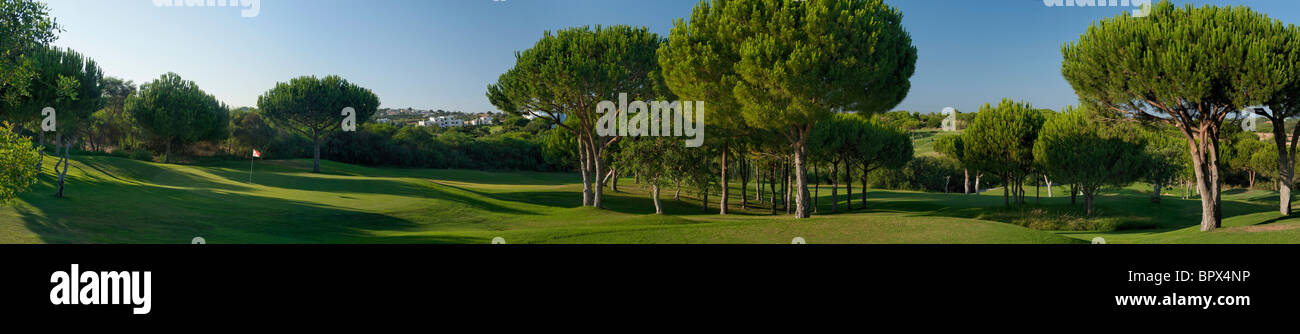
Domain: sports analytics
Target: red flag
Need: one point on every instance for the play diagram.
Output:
(257, 154)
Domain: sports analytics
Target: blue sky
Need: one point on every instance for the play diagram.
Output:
(441, 54)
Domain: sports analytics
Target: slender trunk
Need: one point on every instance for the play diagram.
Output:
(1036, 189)
(1006, 192)
(167, 152)
(1074, 192)
(722, 204)
(835, 188)
(1155, 192)
(677, 191)
(758, 184)
(848, 185)
(315, 162)
(584, 168)
(965, 184)
(654, 193)
(704, 201)
(787, 188)
(598, 191)
(64, 159)
(1049, 185)
(978, 176)
(1089, 197)
(864, 184)
(613, 180)
(744, 182)
(817, 187)
(772, 177)
(802, 199)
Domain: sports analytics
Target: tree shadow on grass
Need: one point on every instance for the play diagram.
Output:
(150, 214)
(123, 170)
(359, 185)
(1172, 213)
(331, 168)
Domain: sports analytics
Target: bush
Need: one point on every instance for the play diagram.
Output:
(920, 174)
(1072, 218)
(142, 155)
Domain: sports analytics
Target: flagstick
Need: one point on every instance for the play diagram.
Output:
(250, 169)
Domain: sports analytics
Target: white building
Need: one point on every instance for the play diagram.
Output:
(485, 120)
(445, 122)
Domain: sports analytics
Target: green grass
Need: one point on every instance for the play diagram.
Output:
(115, 200)
(923, 141)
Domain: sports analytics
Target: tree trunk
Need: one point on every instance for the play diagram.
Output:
(722, 204)
(978, 176)
(677, 192)
(1286, 165)
(864, 185)
(965, 183)
(744, 182)
(1205, 159)
(772, 177)
(654, 193)
(584, 168)
(758, 184)
(835, 188)
(705, 200)
(613, 180)
(315, 162)
(66, 159)
(167, 152)
(803, 199)
(1049, 185)
(1284, 193)
(1006, 192)
(1089, 197)
(598, 191)
(817, 187)
(787, 188)
(848, 185)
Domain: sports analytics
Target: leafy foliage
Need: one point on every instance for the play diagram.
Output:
(1001, 141)
(1188, 66)
(176, 112)
(314, 106)
(1076, 147)
(17, 163)
(25, 26)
